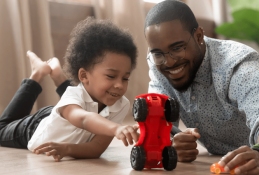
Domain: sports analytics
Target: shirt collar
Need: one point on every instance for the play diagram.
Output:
(114, 108)
(203, 75)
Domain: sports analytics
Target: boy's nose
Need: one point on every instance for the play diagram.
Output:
(118, 85)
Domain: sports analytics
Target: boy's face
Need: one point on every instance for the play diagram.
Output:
(107, 81)
(168, 36)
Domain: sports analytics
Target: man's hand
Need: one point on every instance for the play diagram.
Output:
(56, 150)
(185, 144)
(127, 134)
(245, 157)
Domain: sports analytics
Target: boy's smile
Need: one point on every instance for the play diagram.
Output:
(107, 81)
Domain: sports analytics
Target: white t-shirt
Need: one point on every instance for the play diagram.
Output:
(55, 128)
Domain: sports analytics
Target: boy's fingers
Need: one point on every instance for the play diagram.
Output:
(56, 157)
(128, 136)
(41, 146)
(136, 127)
(125, 141)
(43, 150)
(52, 152)
(30, 53)
(135, 137)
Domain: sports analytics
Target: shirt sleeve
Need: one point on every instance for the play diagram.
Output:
(244, 90)
(72, 95)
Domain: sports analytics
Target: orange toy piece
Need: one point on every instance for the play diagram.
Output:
(217, 169)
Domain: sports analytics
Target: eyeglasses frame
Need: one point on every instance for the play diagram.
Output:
(165, 60)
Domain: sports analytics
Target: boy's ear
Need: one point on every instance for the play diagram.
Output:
(82, 75)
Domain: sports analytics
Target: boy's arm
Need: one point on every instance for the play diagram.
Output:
(92, 149)
(97, 124)
(89, 121)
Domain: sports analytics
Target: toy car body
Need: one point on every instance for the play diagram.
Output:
(217, 169)
(154, 114)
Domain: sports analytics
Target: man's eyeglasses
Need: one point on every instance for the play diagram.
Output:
(176, 53)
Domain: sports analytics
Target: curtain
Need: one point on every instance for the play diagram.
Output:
(24, 26)
(130, 15)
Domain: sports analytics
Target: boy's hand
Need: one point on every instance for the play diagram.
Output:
(56, 150)
(127, 134)
(245, 157)
(185, 144)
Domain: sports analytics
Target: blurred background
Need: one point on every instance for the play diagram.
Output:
(44, 26)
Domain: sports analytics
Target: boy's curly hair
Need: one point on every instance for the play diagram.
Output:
(89, 42)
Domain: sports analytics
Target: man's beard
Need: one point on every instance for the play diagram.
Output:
(192, 73)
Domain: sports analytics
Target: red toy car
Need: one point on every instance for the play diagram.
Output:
(154, 114)
(217, 169)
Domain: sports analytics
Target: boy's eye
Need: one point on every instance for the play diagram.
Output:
(110, 76)
(125, 79)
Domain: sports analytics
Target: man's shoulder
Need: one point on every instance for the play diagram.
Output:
(227, 53)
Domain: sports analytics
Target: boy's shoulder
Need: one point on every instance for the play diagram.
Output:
(78, 92)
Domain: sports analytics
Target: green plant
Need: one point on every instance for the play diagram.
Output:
(245, 26)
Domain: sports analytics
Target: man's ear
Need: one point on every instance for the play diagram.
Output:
(83, 75)
(198, 34)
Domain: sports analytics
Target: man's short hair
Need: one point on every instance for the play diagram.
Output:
(170, 10)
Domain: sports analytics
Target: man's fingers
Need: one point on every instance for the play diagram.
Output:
(230, 155)
(253, 171)
(185, 145)
(184, 137)
(241, 158)
(250, 165)
(193, 131)
(188, 153)
(187, 159)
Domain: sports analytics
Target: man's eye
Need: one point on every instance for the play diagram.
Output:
(178, 48)
(157, 55)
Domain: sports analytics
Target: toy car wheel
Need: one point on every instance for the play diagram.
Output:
(171, 110)
(138, 158)
(140, 109)
(169, 158)
(217, 171)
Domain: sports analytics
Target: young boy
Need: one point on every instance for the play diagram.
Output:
(99, 60)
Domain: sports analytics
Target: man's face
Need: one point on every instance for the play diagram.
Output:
(167, 36)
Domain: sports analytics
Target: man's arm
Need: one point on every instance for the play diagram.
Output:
(244, 91)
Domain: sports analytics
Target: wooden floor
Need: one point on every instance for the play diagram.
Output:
(114, 161)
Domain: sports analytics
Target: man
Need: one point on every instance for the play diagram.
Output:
(216, 83)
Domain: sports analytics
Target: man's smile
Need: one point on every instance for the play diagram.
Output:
(177, 72)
